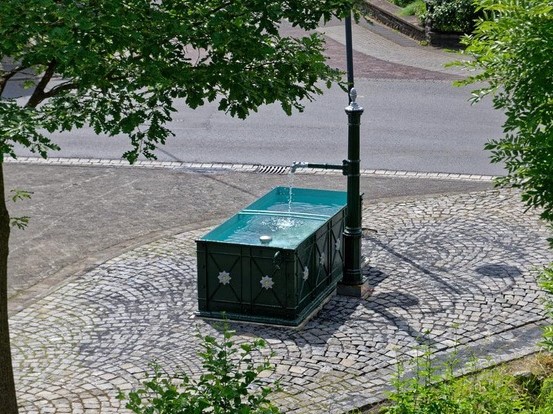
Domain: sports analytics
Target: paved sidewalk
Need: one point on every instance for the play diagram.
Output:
(455, 272)
(373, 40)
(380, 52)
(85, 211)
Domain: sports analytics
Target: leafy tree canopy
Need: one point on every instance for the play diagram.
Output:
(513, 52)
(117, 65)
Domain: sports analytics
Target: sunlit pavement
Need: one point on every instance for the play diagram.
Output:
(453, 273)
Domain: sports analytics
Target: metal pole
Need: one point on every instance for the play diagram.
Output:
(353, 230)
(349, 55)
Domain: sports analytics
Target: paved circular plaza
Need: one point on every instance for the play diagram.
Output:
(453, 274)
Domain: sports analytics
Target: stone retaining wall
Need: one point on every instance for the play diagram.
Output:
(389, 15)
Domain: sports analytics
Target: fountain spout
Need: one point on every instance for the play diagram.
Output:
(298, 164)
(340, 167)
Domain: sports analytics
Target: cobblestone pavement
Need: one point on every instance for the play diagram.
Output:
(454, 272)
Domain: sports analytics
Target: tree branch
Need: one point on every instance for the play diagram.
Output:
(221, 7)
(66, 86)
(8, 75)
(38, 95)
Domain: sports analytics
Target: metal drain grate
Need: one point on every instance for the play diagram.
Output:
(272, 169)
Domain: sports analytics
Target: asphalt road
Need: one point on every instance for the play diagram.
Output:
(414, 120)
(407, 125)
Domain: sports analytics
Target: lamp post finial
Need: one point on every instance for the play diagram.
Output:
(353, 95)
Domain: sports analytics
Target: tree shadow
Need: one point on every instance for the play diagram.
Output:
(499, 271)
(340, 309)
(337, 312)
(432, 275)
(381, 303)
(374, 276)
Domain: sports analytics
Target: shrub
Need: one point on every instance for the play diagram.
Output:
(451, 15)
(432, 389)
(424, 392)
(546, 282)
(415, 8)
(512, 55)
(401, 3)
(229, 385)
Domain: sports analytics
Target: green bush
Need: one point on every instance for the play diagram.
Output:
(401, 3)
(415, 8)
(546, 282)
(425, 392)
(229, 384)
(451, 15)
(432, 389)
(511, 53)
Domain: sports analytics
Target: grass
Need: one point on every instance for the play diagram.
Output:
(415, 8)
(523, 386)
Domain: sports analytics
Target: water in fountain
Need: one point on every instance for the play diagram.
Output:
(286, 216)
(284, 231)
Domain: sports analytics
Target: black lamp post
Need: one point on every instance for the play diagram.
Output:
(353, 231)
(352, 283)
(349, 55)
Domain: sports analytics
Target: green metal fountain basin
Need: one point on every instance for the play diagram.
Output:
(276, 261)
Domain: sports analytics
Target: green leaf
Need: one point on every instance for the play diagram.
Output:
(18, 194)
(20, 222)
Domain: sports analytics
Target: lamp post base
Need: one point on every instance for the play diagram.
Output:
(362, 291)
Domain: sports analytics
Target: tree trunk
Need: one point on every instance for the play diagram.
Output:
(8, 400)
